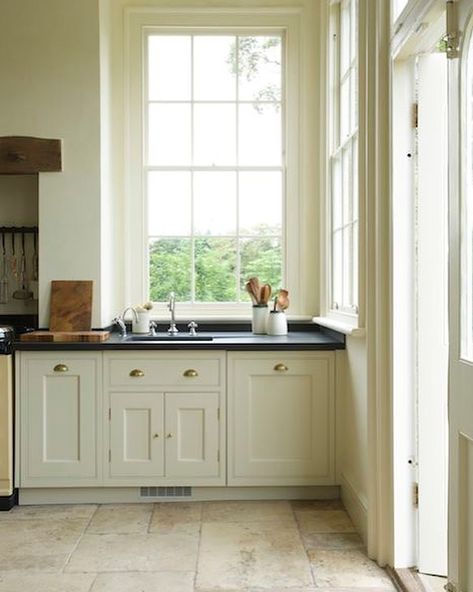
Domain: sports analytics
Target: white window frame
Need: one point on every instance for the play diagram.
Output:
(342, 316)
(137, 20)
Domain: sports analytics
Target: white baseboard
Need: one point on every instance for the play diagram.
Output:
(356, 506)
(108, 495)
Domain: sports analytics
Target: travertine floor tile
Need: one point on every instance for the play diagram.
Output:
(324, 521)
(312, 505)
(39, 545)
(121, 519)
(178, 517)
(39, 582)
(134, 552)
(347, 568)
(336, 540)
(247, 511)
(59, 512)
(144, 582)
(239, 555)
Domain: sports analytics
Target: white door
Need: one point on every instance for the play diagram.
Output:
(192, 434)
(460, 552)
(136, 435)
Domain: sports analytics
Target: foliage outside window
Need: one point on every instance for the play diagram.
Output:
(344, 158)
(214, 170)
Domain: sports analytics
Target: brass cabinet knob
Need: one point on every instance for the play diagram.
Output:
(61, 368)
(281, 367)
(191, 373)
(136, 373)
(169, 435)
(155, 436)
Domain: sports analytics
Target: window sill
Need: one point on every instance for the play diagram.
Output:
(341, 327)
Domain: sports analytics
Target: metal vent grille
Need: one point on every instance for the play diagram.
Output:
(165, 491)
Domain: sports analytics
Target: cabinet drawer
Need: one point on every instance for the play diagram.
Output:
(164, 371)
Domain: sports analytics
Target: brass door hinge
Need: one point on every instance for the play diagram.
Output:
(109, 456)
(415, 115)
(415, 495)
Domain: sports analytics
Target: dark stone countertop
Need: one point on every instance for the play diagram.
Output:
(236, 337)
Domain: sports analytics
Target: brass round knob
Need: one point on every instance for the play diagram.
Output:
(281, 367)
(61, 368)
(156, 436)
(137, 373)
(169, 435)
(191, 373)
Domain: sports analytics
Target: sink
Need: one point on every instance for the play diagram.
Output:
(170, 338)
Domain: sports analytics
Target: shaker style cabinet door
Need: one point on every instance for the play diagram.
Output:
(192, 435)
(136, 434)
(58, 406)
(281, 419)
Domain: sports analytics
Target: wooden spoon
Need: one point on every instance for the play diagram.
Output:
(255, 288)
(265, 294)
(250, 292)
(281, 302)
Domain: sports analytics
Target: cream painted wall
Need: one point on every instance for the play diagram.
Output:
(49, 68)
(352, 431)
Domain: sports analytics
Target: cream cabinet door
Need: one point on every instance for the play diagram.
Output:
(58, 406)
(192, 434)
(281, 419)
(136, 435)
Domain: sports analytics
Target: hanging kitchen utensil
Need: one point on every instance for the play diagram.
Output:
(33, 284)
(23, 293)
(13, 260)
(4, 278)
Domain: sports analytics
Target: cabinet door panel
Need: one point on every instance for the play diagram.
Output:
(281, 415)
(192, 430)
(136, 434)
(60, 413)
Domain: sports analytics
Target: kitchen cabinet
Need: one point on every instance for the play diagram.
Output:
(58, 404)
(281, 418)
(163, 422)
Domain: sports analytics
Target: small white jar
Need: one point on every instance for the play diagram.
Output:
(277, 323)
(140, 323)
(259, 318)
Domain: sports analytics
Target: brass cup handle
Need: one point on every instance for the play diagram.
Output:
(169, 435)
(191, 373)
(281, 367)
(136, 373)
(61, 368)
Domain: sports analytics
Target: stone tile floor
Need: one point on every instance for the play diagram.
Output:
(252, 546)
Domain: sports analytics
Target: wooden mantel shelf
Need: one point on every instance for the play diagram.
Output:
(22, 155)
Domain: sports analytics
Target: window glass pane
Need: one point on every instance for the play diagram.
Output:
(354, 29)
(214, 203)
(214, 73)
(169, 134)
(259, 68)
(353, 100)
(260, 257)
(345, 109)
(169, 80)
(355, 264)
(170, 269)
(337, 219)
(214, 134)
(215, 266)
(355, 179)
(347, 187)
(259, 135)
(337, 268)
(169, 201)
(347, 299)
(345, 58)
(260, 203)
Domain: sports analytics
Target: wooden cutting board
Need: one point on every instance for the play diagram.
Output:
(71, 336)
(71, 305)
